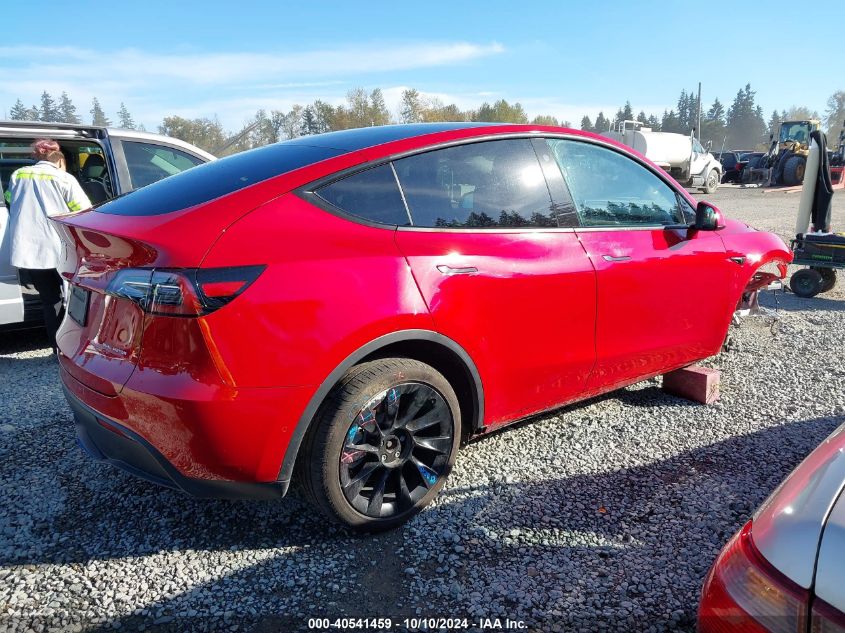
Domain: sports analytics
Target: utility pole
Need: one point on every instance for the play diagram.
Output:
(699, 111)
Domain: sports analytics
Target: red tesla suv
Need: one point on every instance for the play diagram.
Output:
(350, 307)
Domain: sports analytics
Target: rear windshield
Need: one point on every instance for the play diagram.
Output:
(217, 178)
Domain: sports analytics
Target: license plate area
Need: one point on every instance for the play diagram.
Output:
(77, 305)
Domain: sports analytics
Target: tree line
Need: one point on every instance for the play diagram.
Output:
(64, 111)
(742, 125)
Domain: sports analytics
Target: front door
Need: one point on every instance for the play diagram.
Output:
(499, 275)
(663, 289)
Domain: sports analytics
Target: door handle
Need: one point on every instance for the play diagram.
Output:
(613, 258)
(737, 260)
(449, 270)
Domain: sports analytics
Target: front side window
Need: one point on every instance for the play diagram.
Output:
(149, 163)
(372, 195)
(491, 184)
(610, 189)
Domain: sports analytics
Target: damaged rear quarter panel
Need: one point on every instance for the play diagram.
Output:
(763, 252)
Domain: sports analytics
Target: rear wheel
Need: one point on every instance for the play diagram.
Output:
(793, 170)
(382, 444)
(828, 279)
(806, 282)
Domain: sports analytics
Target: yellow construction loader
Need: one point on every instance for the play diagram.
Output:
(787, 157)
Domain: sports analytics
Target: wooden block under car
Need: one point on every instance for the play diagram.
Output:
(699, 384)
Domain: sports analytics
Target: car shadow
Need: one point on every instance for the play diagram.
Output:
(791, 302)
(639, 538)
(14, 341)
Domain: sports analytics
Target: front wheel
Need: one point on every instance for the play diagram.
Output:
(712, 181)
(806, 283)
(382, 444)
(793, 170)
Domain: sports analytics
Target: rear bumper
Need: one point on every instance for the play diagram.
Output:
(110, 442)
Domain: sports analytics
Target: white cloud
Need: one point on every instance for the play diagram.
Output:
(135, 67)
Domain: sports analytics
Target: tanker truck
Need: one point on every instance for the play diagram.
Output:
(681, 156)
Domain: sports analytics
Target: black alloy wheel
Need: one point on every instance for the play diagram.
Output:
(396, 450)
(382, 444)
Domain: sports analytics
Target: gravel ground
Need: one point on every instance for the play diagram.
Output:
(601, 516)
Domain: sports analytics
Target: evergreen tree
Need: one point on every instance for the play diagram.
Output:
(625, 113)
(412, 106)
(309, 122)
(125, 119)
(774, 123)
(746, 126)
(49, 111)
(379, 115)
(602, 123)
(586, 124)
(34, 114)
(713, 125)
(98, 117)
(654, 123)
(19, 112)
(67, 110)
(642, 118)
(671, 123)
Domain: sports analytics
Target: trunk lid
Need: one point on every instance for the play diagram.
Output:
(100, 341)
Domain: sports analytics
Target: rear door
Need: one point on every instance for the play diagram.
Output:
(502, 271)
(664, 297)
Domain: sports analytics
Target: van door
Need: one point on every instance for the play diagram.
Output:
(11, 298)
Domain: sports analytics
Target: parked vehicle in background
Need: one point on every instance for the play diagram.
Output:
(731, 166)
(784, 570)
(681, 156)
(362, 301)
(107, 162)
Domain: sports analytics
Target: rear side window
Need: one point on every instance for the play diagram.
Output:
(372, 195)
(217, 178)
(491, 184)
(149, 163)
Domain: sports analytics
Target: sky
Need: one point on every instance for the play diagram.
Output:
(567, 59)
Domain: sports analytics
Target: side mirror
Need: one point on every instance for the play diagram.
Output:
(707, 217)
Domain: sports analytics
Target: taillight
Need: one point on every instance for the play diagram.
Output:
(743, 592)
(182, 292)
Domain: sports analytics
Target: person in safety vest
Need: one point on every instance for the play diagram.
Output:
(35, 193)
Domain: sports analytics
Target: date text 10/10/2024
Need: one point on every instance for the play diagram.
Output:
(415, 624)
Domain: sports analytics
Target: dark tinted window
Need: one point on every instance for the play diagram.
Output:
(480, 185)
(729, 161)
(215, 179)
(611, 189)
(149, 162)
(372, 195)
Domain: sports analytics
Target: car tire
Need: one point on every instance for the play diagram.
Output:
(793, 171)
(828, 279)
(806, 283)
(382, 444)
(712, 182)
